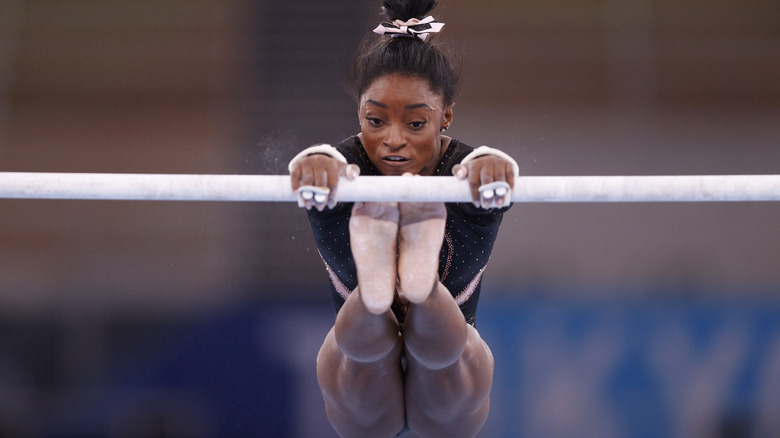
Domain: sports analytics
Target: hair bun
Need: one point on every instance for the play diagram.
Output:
(407, 9)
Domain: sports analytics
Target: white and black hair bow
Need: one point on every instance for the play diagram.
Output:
(410, 28)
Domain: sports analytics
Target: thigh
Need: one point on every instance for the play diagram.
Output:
(452, 401)
(361, 399)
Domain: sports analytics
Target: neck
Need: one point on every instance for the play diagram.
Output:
(445, 143)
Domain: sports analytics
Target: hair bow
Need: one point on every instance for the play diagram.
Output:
(410, 28)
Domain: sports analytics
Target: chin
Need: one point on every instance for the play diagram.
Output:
(397, 171)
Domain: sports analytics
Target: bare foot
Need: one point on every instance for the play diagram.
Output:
(421, 235)
(373, 231)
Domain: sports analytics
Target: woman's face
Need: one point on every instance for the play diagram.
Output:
(400, 122)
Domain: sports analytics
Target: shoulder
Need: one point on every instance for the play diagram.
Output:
(459, 148)
(353, 151)
(349, 147)
(456, 151)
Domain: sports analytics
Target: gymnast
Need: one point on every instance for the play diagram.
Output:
(404, 357)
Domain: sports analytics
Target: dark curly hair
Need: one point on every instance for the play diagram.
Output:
(380, 55)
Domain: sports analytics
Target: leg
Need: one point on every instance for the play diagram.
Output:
(438, 341)
(420, 238)
(449, 372)
(373, 230)
(450, 368)
(362, 388)
(359, 364)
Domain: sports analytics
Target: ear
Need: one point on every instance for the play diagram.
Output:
(447, 117)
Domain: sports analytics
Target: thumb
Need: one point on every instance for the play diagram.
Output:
(351, 171)
(460, 171)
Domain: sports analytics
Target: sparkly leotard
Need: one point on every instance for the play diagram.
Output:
(469, 236)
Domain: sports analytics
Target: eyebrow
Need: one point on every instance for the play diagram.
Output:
(379, 104)
(418, 105)
(407, 107)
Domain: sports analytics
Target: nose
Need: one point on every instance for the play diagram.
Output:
(394, 138)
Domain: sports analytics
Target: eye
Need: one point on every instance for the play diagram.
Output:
(417, 125)
(373, 121)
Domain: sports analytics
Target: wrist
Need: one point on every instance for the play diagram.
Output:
(484, 151)
(324, 149)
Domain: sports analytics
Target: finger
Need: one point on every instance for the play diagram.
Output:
(499, 176)
(333, 183)
(313, 196)
(486, 174)
(510, 175)
(320, 201)
(321, 178)
(295, 178)
(306, 179)
(474, 183)
(493, 194)
(333, 178)
(487, 192)
(351, 171)
(308, 198)
(502, 196)
(499, 171)
(304, 197)
(333, 198)
(307, 175)
(460, 171)
(509, 171)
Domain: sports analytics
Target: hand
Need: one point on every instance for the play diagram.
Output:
(491, 179)
(315, 180)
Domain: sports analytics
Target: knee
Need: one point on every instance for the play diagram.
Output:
(349, 426)
(328, 360)
(365, 345)
(436, 352)
(357, 409)
(463, 424)
(362, 336)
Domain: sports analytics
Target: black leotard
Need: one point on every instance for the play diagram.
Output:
(468, 237)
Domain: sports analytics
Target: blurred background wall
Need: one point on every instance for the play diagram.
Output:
(203, 318)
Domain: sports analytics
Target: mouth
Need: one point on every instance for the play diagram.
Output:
(395, 159)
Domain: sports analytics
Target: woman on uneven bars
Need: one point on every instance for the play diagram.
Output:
(404, 357)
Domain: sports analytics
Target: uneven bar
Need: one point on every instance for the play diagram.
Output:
(276, 188)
